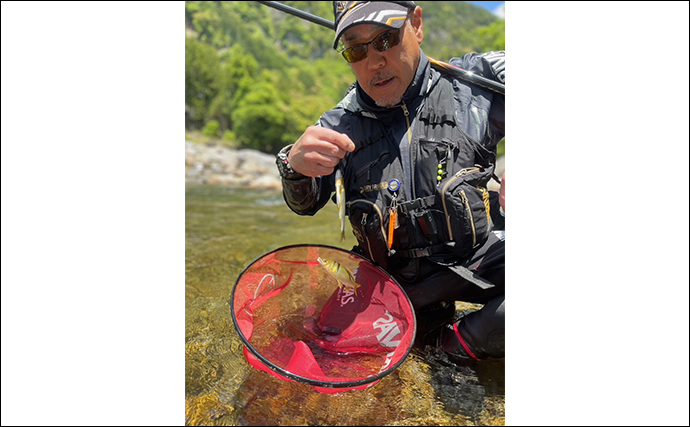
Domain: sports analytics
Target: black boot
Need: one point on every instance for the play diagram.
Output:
(430, 318)
(449, 340)
(478, 335)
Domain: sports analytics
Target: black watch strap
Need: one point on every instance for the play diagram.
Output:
(283, 164)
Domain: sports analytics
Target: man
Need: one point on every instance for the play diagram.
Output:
(416, 148)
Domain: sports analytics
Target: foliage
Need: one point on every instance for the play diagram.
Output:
(263, 75)
(452, 29)
(228, 135)
(263, 120)
(492, 37)
(201, 73)
(212, 128)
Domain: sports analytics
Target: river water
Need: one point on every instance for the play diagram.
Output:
(225, 230)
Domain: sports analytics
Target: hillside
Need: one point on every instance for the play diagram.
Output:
(255, 77)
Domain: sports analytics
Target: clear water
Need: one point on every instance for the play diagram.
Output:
(225, 230)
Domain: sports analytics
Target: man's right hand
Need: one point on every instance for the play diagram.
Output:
(318, 151)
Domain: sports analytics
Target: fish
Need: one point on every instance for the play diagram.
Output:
(340, 201)
(344, 276)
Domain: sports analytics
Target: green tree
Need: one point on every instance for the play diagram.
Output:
(238, 65)
(491, 37)
(304, 93)
(212, 128)
(262, 120)
(201, 74)
(450, 28)
(265, 75)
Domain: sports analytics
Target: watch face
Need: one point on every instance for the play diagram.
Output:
(284, 165)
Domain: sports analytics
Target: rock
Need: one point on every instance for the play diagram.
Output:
(265, 183)
(216, 165)
(245, 168)
(226, 180)
(257, 162)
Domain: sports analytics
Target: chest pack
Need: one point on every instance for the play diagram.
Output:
(447, 213)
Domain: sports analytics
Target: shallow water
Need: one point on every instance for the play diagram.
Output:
(225, 230)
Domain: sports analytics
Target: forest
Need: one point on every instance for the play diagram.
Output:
(256, 77)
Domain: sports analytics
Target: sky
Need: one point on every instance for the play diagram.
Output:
(495, 7)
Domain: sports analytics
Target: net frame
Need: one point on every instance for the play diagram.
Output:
(323, 386)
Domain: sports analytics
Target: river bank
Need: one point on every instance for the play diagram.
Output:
(244, 168)
(218, 165)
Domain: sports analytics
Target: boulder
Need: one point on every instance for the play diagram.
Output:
(217, 165)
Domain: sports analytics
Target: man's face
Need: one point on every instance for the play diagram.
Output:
(385, 76)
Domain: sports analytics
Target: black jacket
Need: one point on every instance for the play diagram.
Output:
(439, 142)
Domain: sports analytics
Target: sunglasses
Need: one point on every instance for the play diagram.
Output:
(381, 43)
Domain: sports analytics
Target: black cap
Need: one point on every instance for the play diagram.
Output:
(391, 14)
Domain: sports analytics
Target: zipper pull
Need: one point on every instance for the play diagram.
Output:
(404, 108)
(393, 223)
(442, 171)
(364, 219)
(463, 196)
(394, 187)
(487, 203)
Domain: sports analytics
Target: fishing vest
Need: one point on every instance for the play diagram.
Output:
(447, 214)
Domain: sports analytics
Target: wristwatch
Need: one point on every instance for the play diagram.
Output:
(284, 167)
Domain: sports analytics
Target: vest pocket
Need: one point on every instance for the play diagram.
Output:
(463, 199)
(431, 162)
(365, 171)
(368, 225)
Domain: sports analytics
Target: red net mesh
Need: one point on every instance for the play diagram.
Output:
(323, 316)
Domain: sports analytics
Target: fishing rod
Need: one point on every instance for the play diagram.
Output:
(454, 70)
(299, 13)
